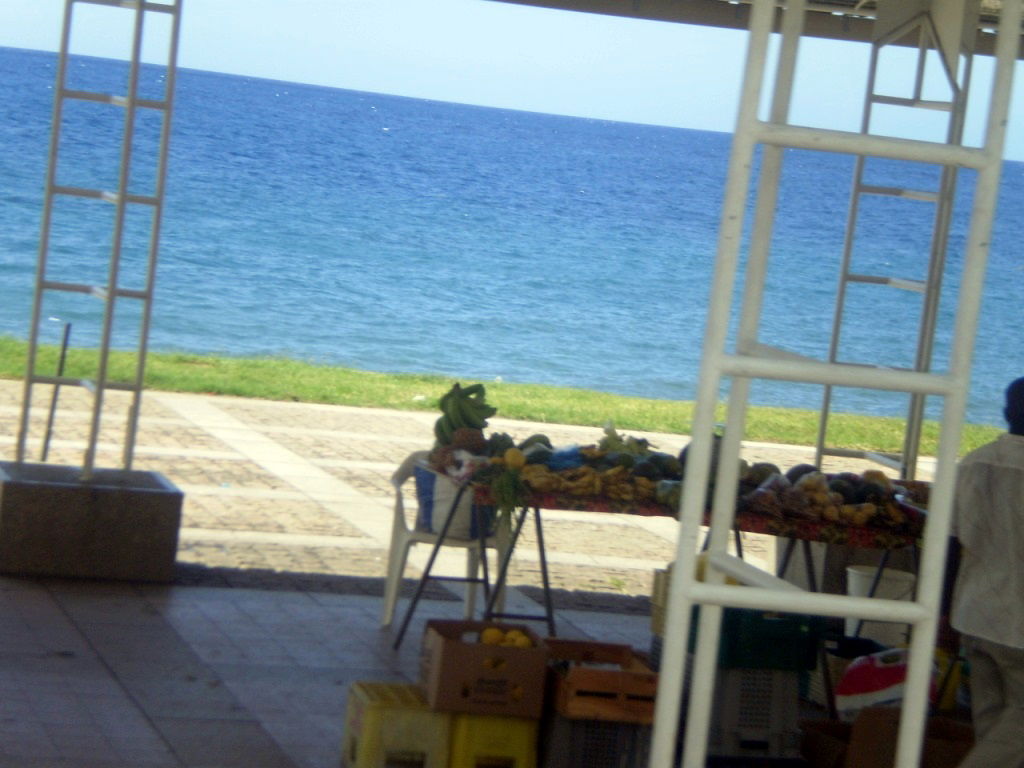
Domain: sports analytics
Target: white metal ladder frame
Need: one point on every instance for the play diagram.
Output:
(121, 199)
(754, 360)
(929, 42)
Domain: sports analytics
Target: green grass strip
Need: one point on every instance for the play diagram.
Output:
(271, 378)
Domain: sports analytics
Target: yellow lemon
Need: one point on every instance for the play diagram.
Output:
(492, 636)
(515, 459)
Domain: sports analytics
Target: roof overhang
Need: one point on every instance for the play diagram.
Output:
(851, 20)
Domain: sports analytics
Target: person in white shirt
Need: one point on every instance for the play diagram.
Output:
(988, 599)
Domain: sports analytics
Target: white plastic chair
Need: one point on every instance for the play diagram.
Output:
(403, 538)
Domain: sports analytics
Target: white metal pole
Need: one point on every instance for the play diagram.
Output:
(826, 140)
(114, 268)
(670, 687)
(154, 242)
(44, 234)
(936, 262)
(724, 505)
(852, 217)
(965, 329)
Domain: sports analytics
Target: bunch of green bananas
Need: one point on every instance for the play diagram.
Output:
(462, 407)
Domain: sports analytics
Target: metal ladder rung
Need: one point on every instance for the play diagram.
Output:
(908, 194)
(131, 293)
(790, 367)
(900, 101)
(745, 573)
(892, 460)
(906, 283)
(109, 98)
(64, 381)
(772, 352)
(777, 353)
(815, 603)
(101, 194)
(825, 140)
(873, 366)
(123, 386)
(147, 5)
(94, 290)
(113, 197)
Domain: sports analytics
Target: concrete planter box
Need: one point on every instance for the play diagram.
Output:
(121, 524)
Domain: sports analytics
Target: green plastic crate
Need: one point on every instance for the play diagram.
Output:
(764, 640)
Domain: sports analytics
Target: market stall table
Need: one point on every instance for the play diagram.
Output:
(791, 528)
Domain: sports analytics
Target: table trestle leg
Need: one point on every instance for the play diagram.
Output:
(549, 615)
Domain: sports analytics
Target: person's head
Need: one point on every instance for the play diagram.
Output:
(1014, 410)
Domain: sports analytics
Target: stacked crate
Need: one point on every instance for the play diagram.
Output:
(476, 703)
(761, 658)
(487, 740)
(495, 693)
(600, 706)
(554, 702)
(391, 724)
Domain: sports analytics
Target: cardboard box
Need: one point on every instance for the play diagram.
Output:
(871, 741)
(601, 681)
(461, 674)
(947, 742)
(823, 743)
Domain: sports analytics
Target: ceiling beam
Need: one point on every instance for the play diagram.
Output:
(833, 21)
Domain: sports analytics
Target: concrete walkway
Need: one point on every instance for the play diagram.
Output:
(295, 495)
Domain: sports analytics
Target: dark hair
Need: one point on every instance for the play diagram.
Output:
(1014, 411)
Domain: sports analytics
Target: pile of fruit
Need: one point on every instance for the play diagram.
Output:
(805, 493)
(618, 468)
(621, 468)
(463, 452)
(515, 638)
(629, 469)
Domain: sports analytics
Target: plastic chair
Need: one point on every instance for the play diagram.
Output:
(403, 538)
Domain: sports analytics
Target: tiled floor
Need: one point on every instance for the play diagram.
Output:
(113, 675)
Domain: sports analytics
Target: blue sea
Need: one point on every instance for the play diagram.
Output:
(404, 235)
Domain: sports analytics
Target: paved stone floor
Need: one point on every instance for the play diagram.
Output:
(288, 494)
(284, 495)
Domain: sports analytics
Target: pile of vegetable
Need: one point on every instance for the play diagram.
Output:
(463, 452)
(618, 467)
(870, 499)
(624, 468)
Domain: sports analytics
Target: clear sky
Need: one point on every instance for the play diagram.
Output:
(489, 53)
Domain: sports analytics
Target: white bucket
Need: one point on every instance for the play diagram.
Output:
(894, 585)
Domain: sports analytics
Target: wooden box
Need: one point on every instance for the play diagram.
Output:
(601, 681)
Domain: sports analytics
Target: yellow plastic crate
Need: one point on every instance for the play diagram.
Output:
(391, 724)
(479, 740)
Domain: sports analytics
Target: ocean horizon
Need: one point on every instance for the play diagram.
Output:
(392, 234)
